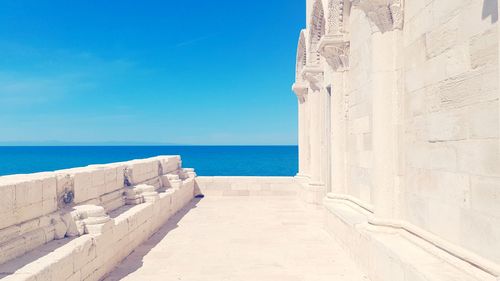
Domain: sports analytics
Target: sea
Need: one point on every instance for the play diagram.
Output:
(207, 160)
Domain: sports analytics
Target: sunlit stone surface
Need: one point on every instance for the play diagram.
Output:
(399, 171)
(399, 133)
(241, 238)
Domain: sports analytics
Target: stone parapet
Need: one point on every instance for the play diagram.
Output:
(38, 209)
(247, 186)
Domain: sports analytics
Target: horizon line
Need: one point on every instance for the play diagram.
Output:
(130, 144)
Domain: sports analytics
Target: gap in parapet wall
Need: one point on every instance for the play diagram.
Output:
(77, 224)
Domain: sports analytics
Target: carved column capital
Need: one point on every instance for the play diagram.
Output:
(387, 15)
(300, 90)
(314, 75)
(335, 49)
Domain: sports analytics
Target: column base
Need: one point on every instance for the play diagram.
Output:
(311, 192)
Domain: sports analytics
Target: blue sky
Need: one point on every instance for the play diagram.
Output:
(178, 72)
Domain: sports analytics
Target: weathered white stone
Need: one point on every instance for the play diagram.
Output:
(24, 227)
(60, 228)
(414, 129)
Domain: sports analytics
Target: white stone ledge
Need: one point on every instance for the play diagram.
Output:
(394, 254)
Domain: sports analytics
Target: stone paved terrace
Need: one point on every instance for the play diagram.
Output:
(241, 238)
(139, 220)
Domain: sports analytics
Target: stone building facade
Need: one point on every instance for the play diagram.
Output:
(399, 133)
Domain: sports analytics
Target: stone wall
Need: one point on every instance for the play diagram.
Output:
(450, 131)
(77, 224)
(359, 112)
(409, 91)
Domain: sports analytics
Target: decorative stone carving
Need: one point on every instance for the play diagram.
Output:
(301, 55)
(86, 219)
(317, 30)
(314, 75)
(140, 194)
(127, 177)
(300, 90)
(300, 86)
(65, 190)
(387, 15)
(335, 49)
(397, 13)
(94, 218)
(335, 16)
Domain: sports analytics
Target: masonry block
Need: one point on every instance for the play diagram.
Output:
(82, 186)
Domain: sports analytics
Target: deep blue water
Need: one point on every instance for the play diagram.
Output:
(207, 160)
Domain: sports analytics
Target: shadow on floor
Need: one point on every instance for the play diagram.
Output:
(18, 263)
(135, 259)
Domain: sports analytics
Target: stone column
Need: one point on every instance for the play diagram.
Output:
(307, 138)
(383, 87)
(386, 19)
(316, 187)
(300, 90)
(335, 49)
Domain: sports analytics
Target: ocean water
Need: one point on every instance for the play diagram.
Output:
(207, 160)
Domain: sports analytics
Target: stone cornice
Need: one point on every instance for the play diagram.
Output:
(314, 75)
(335, 49)
(387, 15)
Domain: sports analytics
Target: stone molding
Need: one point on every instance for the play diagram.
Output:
(387, 15)
(314, 75)
(301, 54)
(316, 30)
(335, 49)
(335, 22)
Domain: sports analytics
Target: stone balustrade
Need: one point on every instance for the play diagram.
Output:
(77, 224)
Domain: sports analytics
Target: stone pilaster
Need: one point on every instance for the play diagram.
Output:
(314, 75)
(334, 47)
(385, 92)
(339, 133)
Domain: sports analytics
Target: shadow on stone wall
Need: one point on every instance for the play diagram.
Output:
(490, 9)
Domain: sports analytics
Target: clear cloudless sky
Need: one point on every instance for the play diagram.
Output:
(149, 71)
